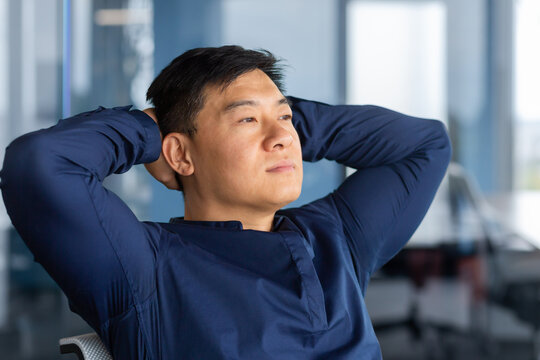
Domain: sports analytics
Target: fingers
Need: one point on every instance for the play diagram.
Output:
(168, 179)
(162, 172)
(172, 185)
(160, 169)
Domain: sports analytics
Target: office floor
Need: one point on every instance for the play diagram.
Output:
(399, 345)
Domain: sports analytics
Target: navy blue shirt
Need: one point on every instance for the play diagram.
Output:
(208, 289)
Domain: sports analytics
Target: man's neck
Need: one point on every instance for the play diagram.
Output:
(250, 219)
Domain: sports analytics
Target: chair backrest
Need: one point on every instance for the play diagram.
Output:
(86, 347)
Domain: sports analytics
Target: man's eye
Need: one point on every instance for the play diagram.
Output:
(286, 117)
(246, 120)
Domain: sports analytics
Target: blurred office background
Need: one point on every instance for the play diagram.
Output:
(467, 286)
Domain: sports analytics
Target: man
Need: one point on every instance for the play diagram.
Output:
(236, 278)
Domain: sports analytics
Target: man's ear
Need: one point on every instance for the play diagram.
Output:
(176, 150)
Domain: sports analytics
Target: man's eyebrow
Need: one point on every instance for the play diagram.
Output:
(284, 100)
(239, 103)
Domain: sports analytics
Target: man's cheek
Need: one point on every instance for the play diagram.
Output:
(232, 163)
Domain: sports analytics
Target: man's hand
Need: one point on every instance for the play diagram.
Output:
(160, 169)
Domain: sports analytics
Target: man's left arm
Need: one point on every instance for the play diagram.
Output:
(401, 161)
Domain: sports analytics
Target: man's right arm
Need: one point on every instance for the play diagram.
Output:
(86, 238)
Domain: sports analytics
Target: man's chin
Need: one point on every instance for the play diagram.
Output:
(283, 200)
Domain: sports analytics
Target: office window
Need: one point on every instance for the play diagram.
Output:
(526, 94)
(396, 56)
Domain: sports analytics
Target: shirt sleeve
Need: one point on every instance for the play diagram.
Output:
(84, 236)
(400, 162)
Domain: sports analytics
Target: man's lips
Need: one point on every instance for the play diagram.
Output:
(282, 166)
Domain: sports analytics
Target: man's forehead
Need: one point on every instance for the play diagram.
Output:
(253, 88)
(230, 106)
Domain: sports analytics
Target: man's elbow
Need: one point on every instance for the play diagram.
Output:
(441, 145)
(441, 140)
(26, 156)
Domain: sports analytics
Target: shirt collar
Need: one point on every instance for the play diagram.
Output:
(281, 223)
(231, 224)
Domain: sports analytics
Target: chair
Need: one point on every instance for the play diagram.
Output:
(86, 347)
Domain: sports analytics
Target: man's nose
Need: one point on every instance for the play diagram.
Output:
(277, 137)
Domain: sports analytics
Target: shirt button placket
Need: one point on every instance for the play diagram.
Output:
(311, 285)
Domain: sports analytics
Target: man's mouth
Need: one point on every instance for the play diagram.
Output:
(282, 166)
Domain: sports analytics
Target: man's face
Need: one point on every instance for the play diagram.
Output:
(246, 151)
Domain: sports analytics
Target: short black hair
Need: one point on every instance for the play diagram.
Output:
(177, 93)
